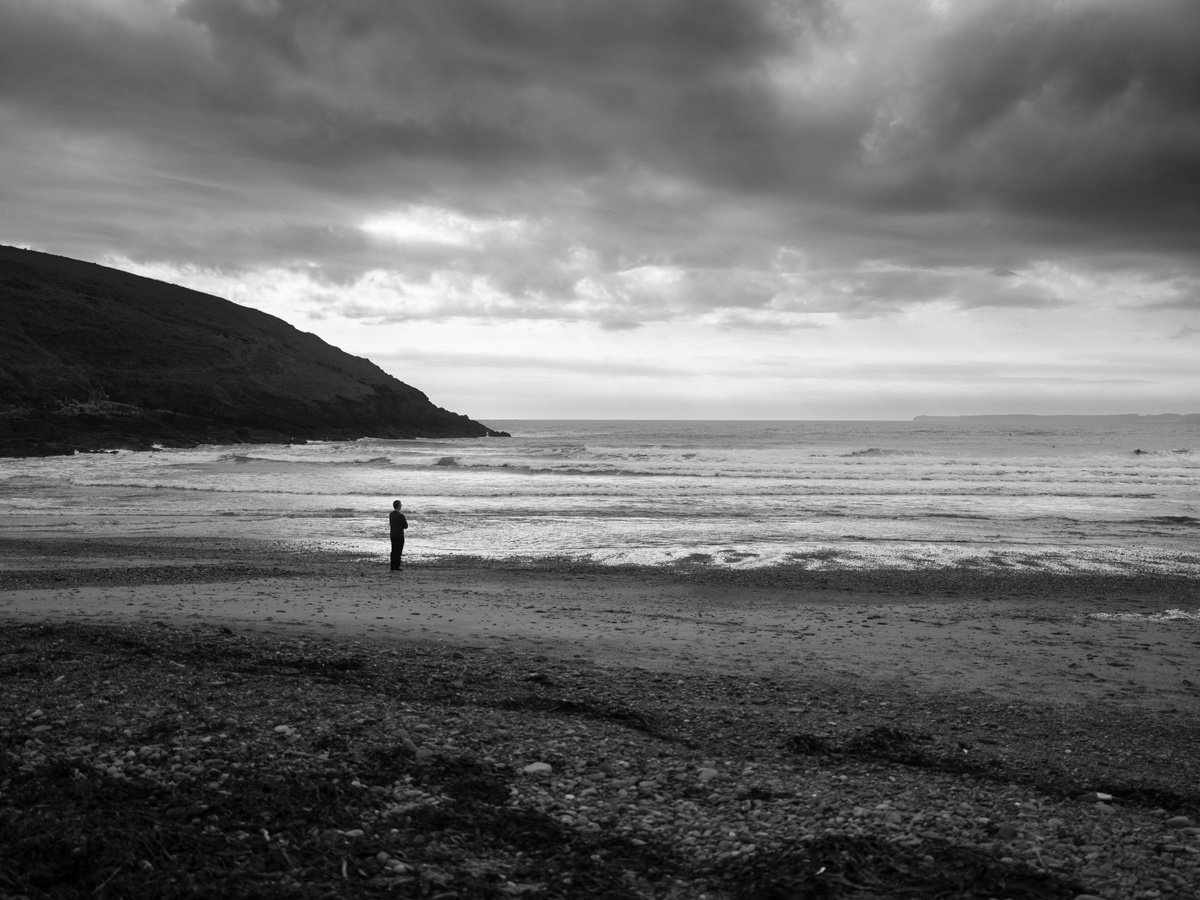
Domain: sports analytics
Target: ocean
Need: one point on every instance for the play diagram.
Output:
(1063, 495)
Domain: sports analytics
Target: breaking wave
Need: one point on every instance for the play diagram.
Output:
(1167, 615)
(239, 459)
(882, 451)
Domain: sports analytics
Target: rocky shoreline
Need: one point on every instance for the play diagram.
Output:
(167, 760)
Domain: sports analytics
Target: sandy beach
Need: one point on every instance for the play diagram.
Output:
(688, 732)
(1055, 638)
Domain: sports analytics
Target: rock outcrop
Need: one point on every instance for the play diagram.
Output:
(92, 358)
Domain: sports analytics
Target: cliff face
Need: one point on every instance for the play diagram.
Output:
(94, 358)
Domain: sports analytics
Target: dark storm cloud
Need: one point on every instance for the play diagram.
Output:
(1076, 111)
(703, 135)
(506, 86)
(305, 109)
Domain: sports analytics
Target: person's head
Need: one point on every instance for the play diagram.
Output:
(395, 504)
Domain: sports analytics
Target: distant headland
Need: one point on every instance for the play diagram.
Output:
(1130, 418)
(92, 358)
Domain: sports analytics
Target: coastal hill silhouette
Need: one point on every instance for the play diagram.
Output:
(93, 358)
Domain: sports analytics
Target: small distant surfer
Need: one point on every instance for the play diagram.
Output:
(398, 524)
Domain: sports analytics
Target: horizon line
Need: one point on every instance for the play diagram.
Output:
(1164, 415)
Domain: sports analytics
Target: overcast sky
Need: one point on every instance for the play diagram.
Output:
(639, 208)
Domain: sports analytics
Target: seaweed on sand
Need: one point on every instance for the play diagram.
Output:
(565, 862)
(71, 831)
(840, 866)
(602, 710)
(890, 744)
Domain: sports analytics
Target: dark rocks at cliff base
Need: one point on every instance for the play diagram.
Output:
(92, 358)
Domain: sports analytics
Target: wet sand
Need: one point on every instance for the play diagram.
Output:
(1047, 638)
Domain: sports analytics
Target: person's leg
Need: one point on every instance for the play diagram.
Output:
(399, 545)
(397, 549)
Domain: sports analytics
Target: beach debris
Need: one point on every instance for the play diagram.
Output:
(1178, 822)
(837, 865)
(807, 744)
(1095, 797)
(882, 741)
(705, 775)
(538, 768)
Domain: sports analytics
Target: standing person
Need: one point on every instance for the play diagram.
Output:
(398, 523)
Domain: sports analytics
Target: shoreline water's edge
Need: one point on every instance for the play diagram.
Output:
(223, 558)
